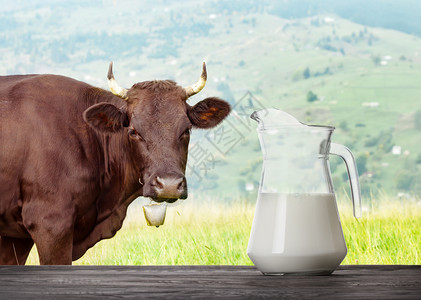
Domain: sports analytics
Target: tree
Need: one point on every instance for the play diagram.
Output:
(417, 119)
(376, 59)
(311, 97)
(418, 159)
(405, 180)
(306, 73)
(361, 164)
(344, 125)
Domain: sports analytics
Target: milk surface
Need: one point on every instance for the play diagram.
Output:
(296, 233)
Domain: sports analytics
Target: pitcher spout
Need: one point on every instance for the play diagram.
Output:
(272, 117)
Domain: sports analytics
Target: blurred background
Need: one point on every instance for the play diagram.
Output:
(355, 65)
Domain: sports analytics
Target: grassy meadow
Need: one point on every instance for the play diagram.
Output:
(217, 234)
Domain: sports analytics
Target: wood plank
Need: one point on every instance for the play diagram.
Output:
(204, 282)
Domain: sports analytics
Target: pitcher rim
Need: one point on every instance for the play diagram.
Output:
(325, 127)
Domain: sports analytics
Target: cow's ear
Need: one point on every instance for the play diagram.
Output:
(106, 117)
(209, 112)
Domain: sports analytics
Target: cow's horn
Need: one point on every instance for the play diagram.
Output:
(115, 88)
(199, 85)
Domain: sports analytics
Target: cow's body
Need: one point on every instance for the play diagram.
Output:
(64, 184)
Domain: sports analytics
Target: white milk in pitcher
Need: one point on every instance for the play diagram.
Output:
(296, 233)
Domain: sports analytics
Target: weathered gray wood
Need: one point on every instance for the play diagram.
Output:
(205, 282)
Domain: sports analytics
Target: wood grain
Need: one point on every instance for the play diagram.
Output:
(205, 282)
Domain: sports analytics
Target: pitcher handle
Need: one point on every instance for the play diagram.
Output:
(346, 155)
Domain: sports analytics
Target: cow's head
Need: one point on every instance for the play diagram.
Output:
(156, 123)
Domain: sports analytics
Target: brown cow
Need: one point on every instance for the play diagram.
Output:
(73, 157)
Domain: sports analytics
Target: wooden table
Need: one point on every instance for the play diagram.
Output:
(205, 282)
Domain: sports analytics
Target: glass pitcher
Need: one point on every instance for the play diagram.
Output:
(296, 227)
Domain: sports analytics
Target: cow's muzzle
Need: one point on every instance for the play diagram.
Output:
(166, 188)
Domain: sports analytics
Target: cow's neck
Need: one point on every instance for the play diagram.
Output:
(119, 182)
(117, 185)
(118, 189)
(116, 170)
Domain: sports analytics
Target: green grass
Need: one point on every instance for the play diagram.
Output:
(217, 234)
(389, 233)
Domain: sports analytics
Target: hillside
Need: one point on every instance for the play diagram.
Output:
(365, 80)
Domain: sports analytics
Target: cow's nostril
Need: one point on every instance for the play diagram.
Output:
(181, 185)
(160, 183)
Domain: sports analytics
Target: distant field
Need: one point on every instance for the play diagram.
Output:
(217, 234)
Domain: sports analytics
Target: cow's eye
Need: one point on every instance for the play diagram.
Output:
(133, 133)
(186, 132)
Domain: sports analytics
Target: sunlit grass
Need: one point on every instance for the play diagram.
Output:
(388, 233)
(212, 233)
